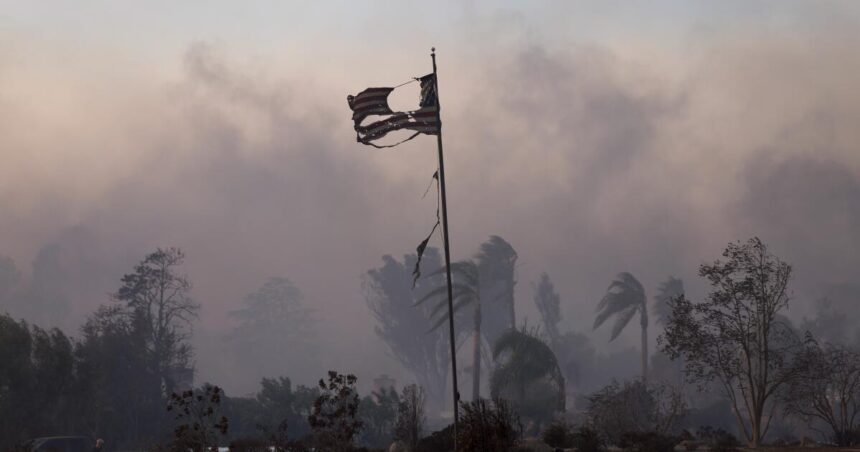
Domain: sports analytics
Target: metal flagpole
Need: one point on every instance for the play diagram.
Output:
(447, 253)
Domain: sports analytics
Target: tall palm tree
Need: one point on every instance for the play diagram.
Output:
(497, 261)
(624, 298)
(466, 290)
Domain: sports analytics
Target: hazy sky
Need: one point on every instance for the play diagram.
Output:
(596, 137)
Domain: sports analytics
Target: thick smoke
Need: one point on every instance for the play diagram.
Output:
(589, 160)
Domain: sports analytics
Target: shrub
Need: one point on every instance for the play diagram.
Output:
(635, 407)
(440, 441)
(488, 426)
(648, 442)
(199, 423)
(718, 440)
(248, 445)
(378, 415)
(333, 417)
(559, 434)
(586, 439)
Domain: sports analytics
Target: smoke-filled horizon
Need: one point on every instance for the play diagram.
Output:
(592, 152)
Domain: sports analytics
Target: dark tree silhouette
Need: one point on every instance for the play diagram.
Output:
(528, 373)
(36, 378)
(161, 308)
(334, 416)
(118, 389)
(736, 335)
(199, 422)
(827, 388)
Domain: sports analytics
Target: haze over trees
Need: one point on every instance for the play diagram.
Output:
(156, 298)
(133, 358)
(486, 283)
(466, 292)
(405, 328)
(497, 263)
(528, 375)
(572, 350)
(273, 326)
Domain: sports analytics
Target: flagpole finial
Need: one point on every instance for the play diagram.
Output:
(432, 50)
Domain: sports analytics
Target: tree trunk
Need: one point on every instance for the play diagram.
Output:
(476, 354)
(644, 322)
(755, 425)
(756, 432)
(512, 307)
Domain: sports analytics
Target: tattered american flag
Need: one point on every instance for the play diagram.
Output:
(373, 102)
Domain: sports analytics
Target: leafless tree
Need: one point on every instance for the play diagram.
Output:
(827, 388)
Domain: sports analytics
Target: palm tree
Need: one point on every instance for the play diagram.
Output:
(526, 362)
(624, 298)
(465, 290)
(497, 261)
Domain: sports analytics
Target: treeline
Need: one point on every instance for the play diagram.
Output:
(728, 369)
(128, 377)
(114, 379)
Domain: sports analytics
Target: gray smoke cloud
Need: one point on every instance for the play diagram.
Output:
(587, 159)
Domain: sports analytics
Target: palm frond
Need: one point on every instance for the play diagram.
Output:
(613, 303)
(631, 281)
(443, 302)
(529, 358)
(432, 294)
(442, 291)
(622, 320)
(465, 270)
(442, 319)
